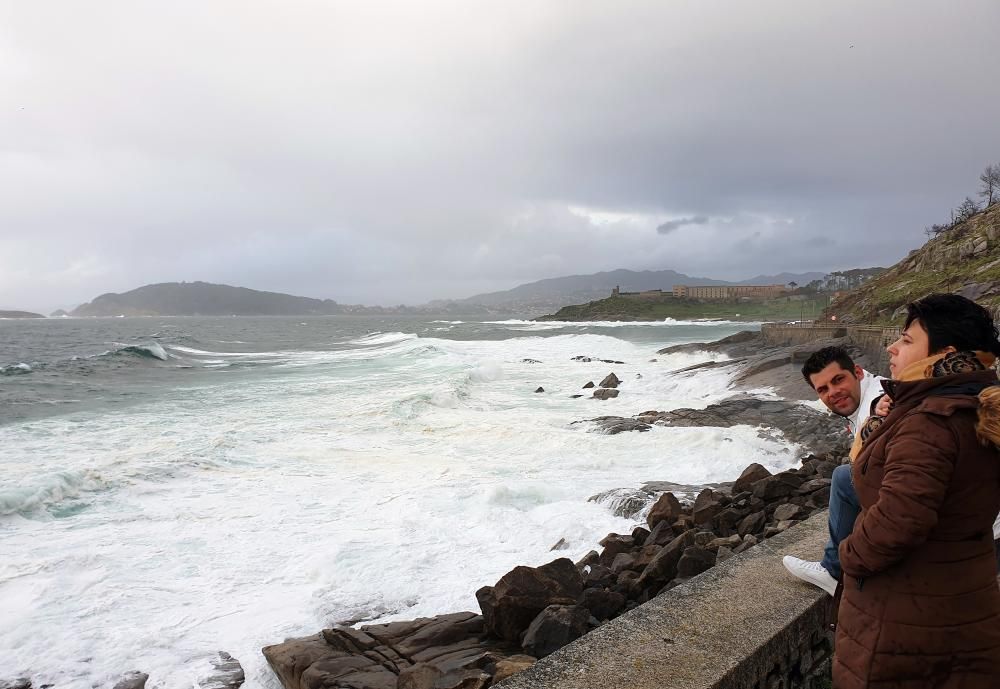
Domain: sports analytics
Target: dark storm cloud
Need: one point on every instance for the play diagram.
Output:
(392, 152)
(671, 225)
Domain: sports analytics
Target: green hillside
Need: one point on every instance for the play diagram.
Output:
(624, 309)
(964, 258)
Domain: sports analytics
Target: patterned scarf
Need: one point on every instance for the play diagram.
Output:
(935, 366)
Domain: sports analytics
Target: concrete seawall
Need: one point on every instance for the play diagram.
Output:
(870, 339)
(744, 624)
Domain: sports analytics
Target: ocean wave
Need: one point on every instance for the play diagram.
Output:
(153, 350)
(50, 490)
(379, 338)
(17, 369)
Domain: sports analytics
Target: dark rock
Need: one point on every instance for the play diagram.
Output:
(613, 425)
(554, 627)
(130, 680)
(663, 567)
(639, 535)
(419, 676)
(749, 541)
(727, 542)
(644, 556)
(606, 394)
(530, 361)
(813, 485)
(661, 534)
(725, 521)
(752, 524)
(625, 580)
(599, 576)
(819, 498)
(589, 385)
(825, 469)
(667, 507)
(750, 475)
(723, 554)
(591, 558)
(623, 502)
(513, 602)
(777, 486)
(603, 604)
(463, 679)
(227, 673)
(573, 397)
(694, 561)
(610, 381)
(512, 665)
(539, 389)
(622, 562)
(706, 506)
(614, 544)
(788, 511)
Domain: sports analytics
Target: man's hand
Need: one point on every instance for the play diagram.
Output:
(884, 406)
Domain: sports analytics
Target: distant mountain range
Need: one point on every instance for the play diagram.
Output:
(535, 298)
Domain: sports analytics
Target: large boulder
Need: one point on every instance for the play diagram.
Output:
(603, 604)
(513, 602)
(667, 508)
(555, 627)
(607, 394)
(750, 475)
(610, 381)
(706, 505)
(663, 566)
(694, 561)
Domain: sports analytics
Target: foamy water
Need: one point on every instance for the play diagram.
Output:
(386, 479)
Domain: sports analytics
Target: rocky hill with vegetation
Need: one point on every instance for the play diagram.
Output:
(962, 257)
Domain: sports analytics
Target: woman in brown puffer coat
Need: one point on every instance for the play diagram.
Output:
(920, 604)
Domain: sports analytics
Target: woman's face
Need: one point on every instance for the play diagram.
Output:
(911, 346)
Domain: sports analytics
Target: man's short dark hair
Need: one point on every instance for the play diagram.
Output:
(954, 321)
(822, 358)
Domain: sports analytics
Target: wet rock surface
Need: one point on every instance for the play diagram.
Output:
(815, 431)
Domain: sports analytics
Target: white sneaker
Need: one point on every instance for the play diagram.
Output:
(813, 572)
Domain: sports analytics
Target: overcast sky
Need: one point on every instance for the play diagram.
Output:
(396, 152)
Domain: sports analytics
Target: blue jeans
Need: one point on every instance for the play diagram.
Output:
(844, 510)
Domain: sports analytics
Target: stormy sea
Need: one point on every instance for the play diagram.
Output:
(173, 487)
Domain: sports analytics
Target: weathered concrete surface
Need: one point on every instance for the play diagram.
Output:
(723, 628)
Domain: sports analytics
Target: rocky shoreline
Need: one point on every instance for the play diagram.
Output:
(532, 611)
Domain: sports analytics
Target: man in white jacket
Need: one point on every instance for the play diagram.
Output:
(849, 391)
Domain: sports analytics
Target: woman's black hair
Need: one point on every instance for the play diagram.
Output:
(954, 321)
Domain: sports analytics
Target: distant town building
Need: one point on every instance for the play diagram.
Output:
(729, 291)
(652, 294)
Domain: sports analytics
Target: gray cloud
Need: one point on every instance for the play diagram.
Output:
(671, 225)
(393, 152)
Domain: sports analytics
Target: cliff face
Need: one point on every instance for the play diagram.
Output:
(964, 259)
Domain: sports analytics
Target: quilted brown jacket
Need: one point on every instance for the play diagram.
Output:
(921, 604)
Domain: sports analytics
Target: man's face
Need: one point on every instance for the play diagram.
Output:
(838, 388)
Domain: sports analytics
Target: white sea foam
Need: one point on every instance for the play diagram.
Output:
(550, 325)
(386, 481)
